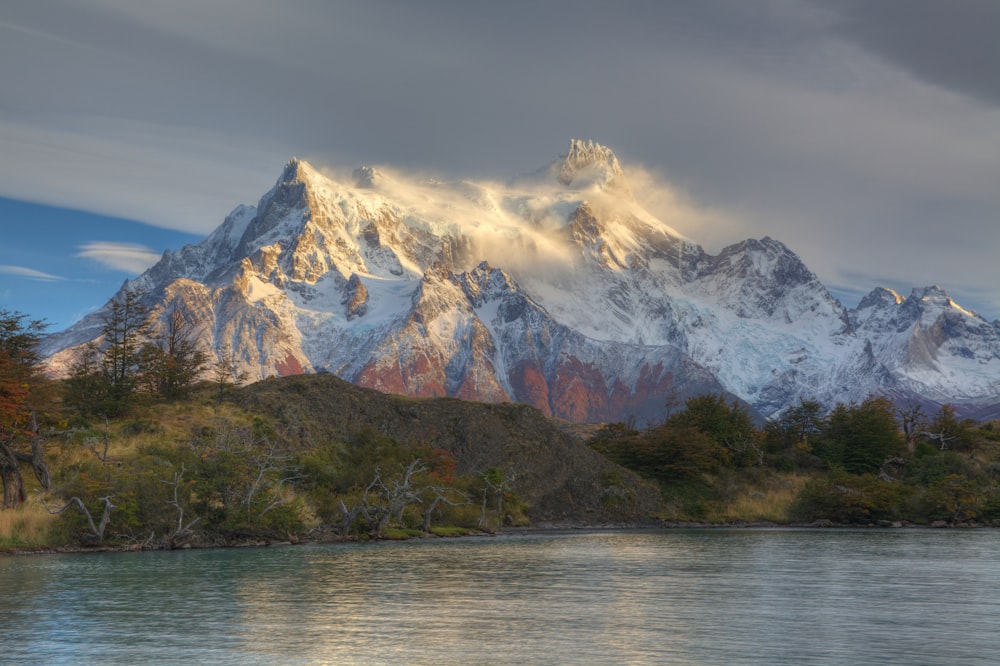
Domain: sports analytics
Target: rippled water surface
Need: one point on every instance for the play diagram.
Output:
(683, 597)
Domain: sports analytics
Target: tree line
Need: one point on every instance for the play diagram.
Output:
(865, 462)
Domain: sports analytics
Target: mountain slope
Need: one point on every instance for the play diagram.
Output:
(556, 289)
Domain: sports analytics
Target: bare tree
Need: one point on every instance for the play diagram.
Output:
(385, 502)
(745, 445)
(911, 418)
(945, 428)
(449, 496)
(10, 470)
(942, 438)
(182, 530)
(273, 469)
(244, 471)
(10, 464)
(349, 516)
(102, 455)
(97, 530)
(496, 485)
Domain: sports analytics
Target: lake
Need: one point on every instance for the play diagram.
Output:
(713, 596)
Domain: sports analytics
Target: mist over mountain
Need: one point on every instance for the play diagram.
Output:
(555, 289)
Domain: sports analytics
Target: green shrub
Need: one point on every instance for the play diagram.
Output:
(848, 499)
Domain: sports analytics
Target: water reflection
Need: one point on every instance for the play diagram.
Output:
(702, 597)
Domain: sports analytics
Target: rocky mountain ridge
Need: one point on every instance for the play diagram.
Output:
(556, 289)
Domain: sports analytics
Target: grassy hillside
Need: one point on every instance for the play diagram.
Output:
(313, 457)
(554, 473)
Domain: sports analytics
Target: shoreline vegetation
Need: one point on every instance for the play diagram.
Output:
(133, 452)
(82, 549)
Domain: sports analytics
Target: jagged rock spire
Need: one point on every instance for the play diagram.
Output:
(593, 158)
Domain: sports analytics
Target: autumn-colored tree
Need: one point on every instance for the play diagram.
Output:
(20, 441)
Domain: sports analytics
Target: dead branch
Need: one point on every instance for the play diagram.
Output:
(182, 529)
(96, 530)
(441, 497)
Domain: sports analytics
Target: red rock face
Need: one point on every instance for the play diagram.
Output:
(424, 377)
(421, 377)
(529, 383)
(382, 376)
(652, 382)
(579, 392)
(650, 394)
(481, 388)
(290, 366)
(480, 382)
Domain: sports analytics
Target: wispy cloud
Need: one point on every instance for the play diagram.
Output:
(29, 273)
(127, 257)
(828, 124)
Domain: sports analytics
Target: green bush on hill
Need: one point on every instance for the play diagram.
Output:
(856, 464)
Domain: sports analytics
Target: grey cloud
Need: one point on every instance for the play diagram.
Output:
(774, 113)
(950, 43)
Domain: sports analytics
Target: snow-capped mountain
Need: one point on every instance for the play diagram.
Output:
(556, 289)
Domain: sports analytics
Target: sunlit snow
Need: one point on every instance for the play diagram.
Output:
(578, 245)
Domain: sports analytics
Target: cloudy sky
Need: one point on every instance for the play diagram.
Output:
(864, 135)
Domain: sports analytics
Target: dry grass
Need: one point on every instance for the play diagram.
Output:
(30, 525)
(771, 500)
(161, 424)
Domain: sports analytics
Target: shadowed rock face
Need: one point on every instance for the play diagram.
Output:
(556, 290)
(356, 297)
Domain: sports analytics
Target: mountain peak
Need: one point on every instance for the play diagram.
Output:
(933, 292)
(590, 163)
(935, 295)
(291, 170)
(297, 169)
(881, 297)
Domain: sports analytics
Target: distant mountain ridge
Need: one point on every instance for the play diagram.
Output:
(557, 290)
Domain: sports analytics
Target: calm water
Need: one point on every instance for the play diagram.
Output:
(681, 597)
